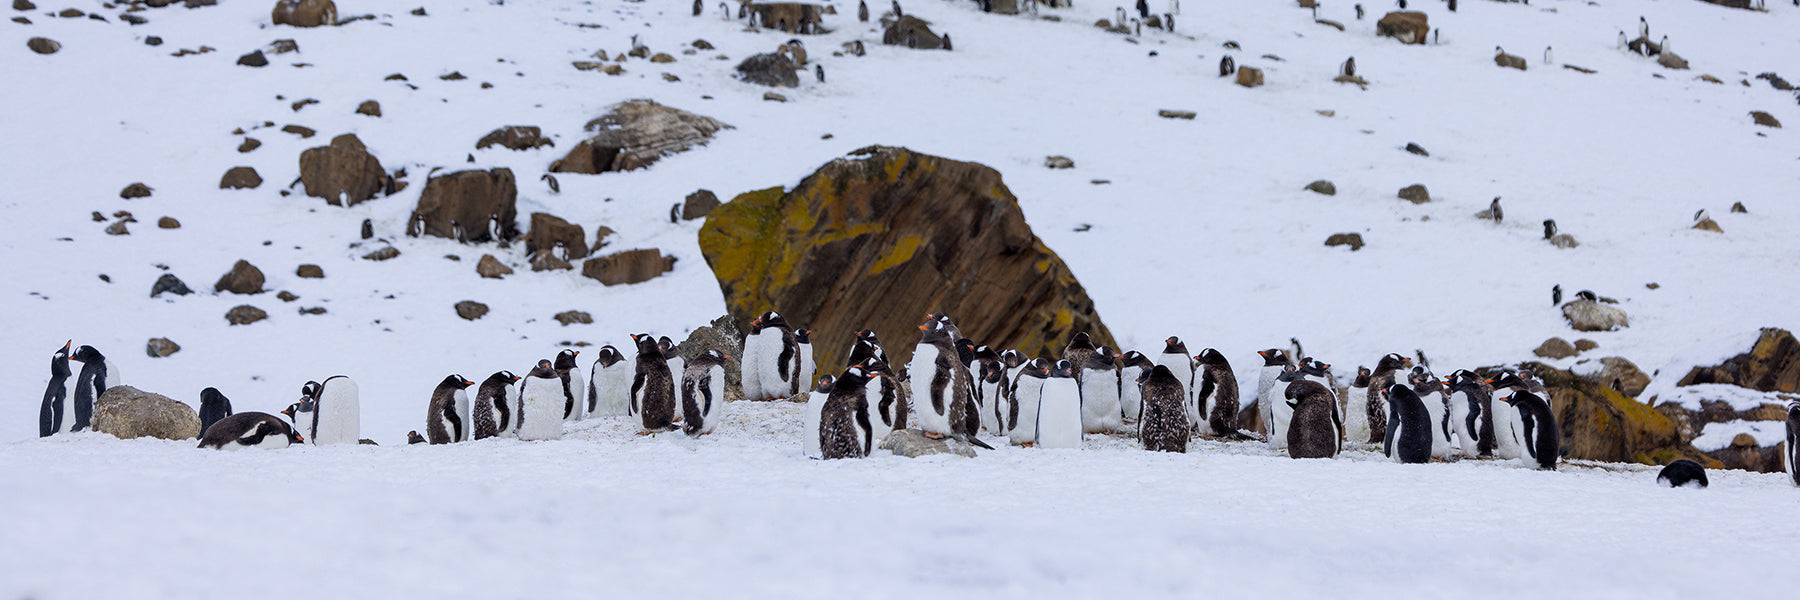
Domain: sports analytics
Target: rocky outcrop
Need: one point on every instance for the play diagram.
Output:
(630, 266)
(129, 413)
(770, 69)
(515, 137)
(722, 335)
(470, 198)
(789, 17)
(923, 233)
(549, 231)
(491, 268)
(1599, 423)
(1555, 348)
(1588, 315)
(909, 31)
(634, 135)
(304, 13)
(343, 173)
(1410, 27)
(1771, 365)
(912, 443)
(244, 278)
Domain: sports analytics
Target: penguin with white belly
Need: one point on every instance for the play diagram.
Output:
(1509, 425)
(1376, 402)
(447, 421)
(653, 387)
(1027, 393)
(970, 425)
(771, 359)
(815, 408)
(993, 388)
(1470, 417)
(1098, 376)
(97, 376)
(497, 406)
(1315, 429)
(703, 393)
(803, 340)
(541, 394)
(678, 365)
(1216, 400)
(1543, 442)
(337, 413)
(1059, 410)
(250, 430)
(940, 384)
(1275, 363)
(569, 373)
(609, 383)
(1132, 368)
(1356, 416)
(1409, 428)
(1181, 364)
(1431, 392)
(1275, 412)
(214, 407)
(1793, 442)
(55, 416)
(844, 424)
(1163, 426)
(885, 392)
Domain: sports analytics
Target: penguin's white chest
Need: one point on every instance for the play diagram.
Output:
(1440, 436)
(1059, 414)
(809, 424)
(1100, 411)
(1027, 396)
(574, 398)
(1356, 416)
(614, 390)
(460, 401)
(991, 401)
(542, 418)
(340, 413)
(933, 411)
(1131, 397)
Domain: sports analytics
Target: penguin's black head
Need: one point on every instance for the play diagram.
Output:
(290, 410)
(825, 383)
(1212, 356)
(1064, 368)
(1362, 377)
(984, 354)
(293, 437)
(87, 354)
(803, 336)
(413, 437)
(1288, 373)
(1157, 371)
(543, 370)
(664, 343)
(1587, 295)
(59, 362)
(63, 353)
(1274, 357)
(1012, 358)
(565, 360)
(1316, 368)
(854, 377)
(1301, 388)
(934, 331)
(309, 390)
(211, 395)
(771, 319)
(609, 356)
(462, 382)
(992, 371)
(1173, 345)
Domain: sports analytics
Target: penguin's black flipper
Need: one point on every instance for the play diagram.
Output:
(974, 441)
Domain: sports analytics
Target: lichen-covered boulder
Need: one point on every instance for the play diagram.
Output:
(634, 135)
(1599, 423)
(923, 234)
(129, 413)
(897, 32)
(1771, 365)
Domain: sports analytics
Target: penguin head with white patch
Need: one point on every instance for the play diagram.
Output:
(309, 391)
(767, 320)
(709, 359)
(87, 354)
(565, 360)
(1288, 373)
(1362, 377)
(992, 371)
(59, 361)
(1314, 368)
(609, 356)
(543, 370)
(457, 381)
(1038, 367)
(1393, 362)
(984, 354)
(965, 350)
(1173, 345)
(413, 437)
(854, 377)
(646, 344)
(1275, 357)
(825, 383)
(1012, 358)
(1508, 381)
(669, 348)
(1211, 356)
(934, 332)
(291, 411)
(803, 336)
(1136, 359)
(1063, 369)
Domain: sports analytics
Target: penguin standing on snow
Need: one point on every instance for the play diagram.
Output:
(803, 341)
(1098, 377)
(1375, 403)
(569, 372)
(771, 355)
(96, 377)
(703, 393)
(993, 388)
(885, 392)
(609, 384)
(844, 425)
(1431, 391)
(1356, 417)
(249, 430)
(542, 399)
(448, 420)
(677, 365)
(1277, 372)
(652, 387)
(1217, 396)
(815, 409)
(1470, 415)
(1509, 423)
(1314, 431)
(496, 407)
(214, 406)
(1543, 442)
(1059, 410)
(1793, 442)
(1409, 429)
(1163, 426)
(1027, 392)
(337, 412)
(1175, 356)
(940, 382)
(1132, 368)
(56, 396)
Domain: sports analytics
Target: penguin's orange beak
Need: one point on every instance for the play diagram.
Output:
(1262, 354)
(515, 379)
(921, 328)
(728, 356)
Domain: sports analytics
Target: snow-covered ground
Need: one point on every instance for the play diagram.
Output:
(1204, 232)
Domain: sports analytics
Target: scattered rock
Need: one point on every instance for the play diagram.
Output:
(1555, 349)
(549, 261)
(1588, 315)
(370, 108)
(1176, 114)
(300, 130)
(1415, 194)
(1738, 207)
(774, 97)
(23, 5)
(670, 77)
(310, 271)
(550, 231)
(1352, 79)
(240, 178)
(515, 137)
(249, 144)
(570, 317)
(1059, 162)
(1707, 224)
(201, 3)
(98, 218)
(286, 296)
(153, 41)
(1564, 241)
(117, 229)
(909, 31)
(171, 284)
(1353, 240)
(1584, 345)
(244, 278)
(313, 310)
(470, 198)
(253, 59)
(634, 135)
(1745, 454)
(601, 234)
(770, 69)
(1249, 77)
(71, 13)
(245, 314)
(304, 13)
(1631, 380)
(135, 190)
(284, 46)
(701, 44)
(1416, 149)
(471, 310)
(1410, 27)
(1764, 119)
(1323, 187)
(43, 45)
(491, 268)
(129, 413)
(628, 267)
(662, 58)
(161, 347)
(722, 335)
(697, 205)
(168, 223)
(386, 253)
(1510, 61)
(343, 173)
(911, 443)
(1672, 61)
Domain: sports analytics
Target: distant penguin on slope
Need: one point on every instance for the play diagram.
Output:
(1027, 392)
(1216, 398)
(1543, 443)
(496, 407)
(844, 425)
(609, 383)
(54, 415)
(337, 413)
(97, 376)
(862, 11)
(249, 430)
(1313, 432)
(214, 406)
(1163, 425)
(447, 421)
(815, 409)
(1059, 410)
(574, 391)
(542, 398)
(703, 393)
(652, 387)
(1131, 399)
(1409, 429)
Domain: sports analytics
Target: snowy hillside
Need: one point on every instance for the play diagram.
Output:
(1203, 230)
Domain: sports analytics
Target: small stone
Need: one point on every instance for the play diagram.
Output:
(304, 103)
(1555, 349)
(1708, 224)
(245, 314)
(549, 261)
(491, 268)
(70, 13)
(310, 271)
(244, 278)
(1326, 113)
(249, 144)
(1584, 345)
(302, 131)
(161, 347)
(284, 46)
(1653, 286)
(1416, 149)
(1764, 119)
(313, 310)
(569, 317)
(453, 76)
(1415, 194)
(240, 178)
(774, 97)
(370, 108)
(382, 254)
(671, 78)
(43, 45)
(200, 3)
(135, 190)
(662, 58)
(253, 59)
(395, 77)
(471, 310)
(168, 223)
(1738, 207)
(125, 215)
(418, 12)
(23, 5)
(117, 229)
(171, 284)
(912, 443)
(1177, 114)
(1249, 77)
(701, 45)
(287, 296)
(1322, 187)
(1353, 240)
(154, 40)
(1059, 162)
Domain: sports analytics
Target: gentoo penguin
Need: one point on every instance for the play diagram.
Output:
(1543, 442)
(1313, 432)
(946, 40)
(815, 409)
(652, 387)
(1164, 425)
(457, 233)
(862, 10)
(1216, 398)
(1227, 66)
(1409, 429)
(699, 7)
(1143, 8)
(541, 396)
(1349, 69)
(1547, 55)
(886, 393)
(1470, 415)
(496, 404)
(1431, 392)
(337, 413)
(803, 340)
(214, 406)
(897, 13)
(1359, 12)
(416, 227)
(448, 419)
(1181, 364)
(1119, 15)
(1793, 442)
(1269, 391)
(939, 381)
(1375, 404)
(678, 365)
(609, 384)
(301, 412)
(844, 424)
(56, 396)
(1402, 4)
(992, 389)
(497, 232)
(1509, 423)
(1098, 377)
(1027, 391)
(771, 355)
(1356, 418)
(368, 229)
(819, 72)
(95, 378)
(1556, 295)
(703, 393)
(1131, 396)
(1643, 28)
(569, 372)
(1622, 42)
(1059, 410)
(249, 430)
(1683, 472)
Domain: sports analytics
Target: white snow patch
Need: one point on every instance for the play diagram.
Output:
(1719, 435)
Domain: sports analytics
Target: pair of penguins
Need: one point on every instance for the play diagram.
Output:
(328, 413)
(63, 411)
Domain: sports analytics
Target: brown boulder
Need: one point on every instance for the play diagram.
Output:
(161, 347)
(470, 198)
(304, 13)
(370, 108)
(1764, 119)
(1598, 423)
(135, 190)
(129, 413)
(924, 233)
(698, 205)
(310, 271)
(240, 178)
(1323, 187)
(570, 317)
(630, 266)
(1744, 454)
(43, 45)
(1631, 380)
(471, 310)
(1410, 27)
(788, 17)
(1249, 77)
(1415, 193)
(343, 173)
(385, 253)
(634, 135)
(491, 268)
(244, 314)
(244, 278)
(168, 223)
(515, 137)
(1771, 365)
(1353, 240)
(1555, 348)
(770, 69)
(896, 32)
(1509, 61)
(549, 231)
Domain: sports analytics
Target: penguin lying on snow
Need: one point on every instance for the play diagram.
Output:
(249, 430)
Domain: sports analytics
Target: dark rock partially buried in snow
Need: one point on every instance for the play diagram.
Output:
(129, 413)
(245, 314)
(171, 284)
(634, 135)
(896, 32)
(309, 271)
(370, 108)
(343, 173)
(1322, 187)
(253, 59)
(1059, 162)
(240, 178)
(471, 310)
(1764, 119)
(1410, 27)
(912, 443)
(770, 69)
(43, 45)
(161, 347)
(698, 204)
(515, 137)
(1353, 240)
(135, 190)
(304, 13)
(470, 198)
(1415, 193)
(1177, 114)
(1772, 364)
(243, 278)
(571, 317)
(549, 231)
(385, 253)
(1555, 348)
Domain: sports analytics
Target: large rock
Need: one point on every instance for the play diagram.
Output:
(548, 231)
(1616, 369)
(129, 413)
(634, 135)
(304, 13)
(1410, 27)
(912, 443)
(698, 204)
(1771, 365)
(1599, 423)
(1415, 193)
(491, 268)
(244, 314)
(1744, 454)
(789, 17)
(244, 278)
(1588, 315)
(630, 266)
(471, 310)
(1249, 77)
(43, 45)
(240, 178)
(922, 233)
(515, 137)
(722, 335)
(171, 284)
(343, 173)
(895, 32)
(470, 198)
(770, 69)
(1555, 348)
